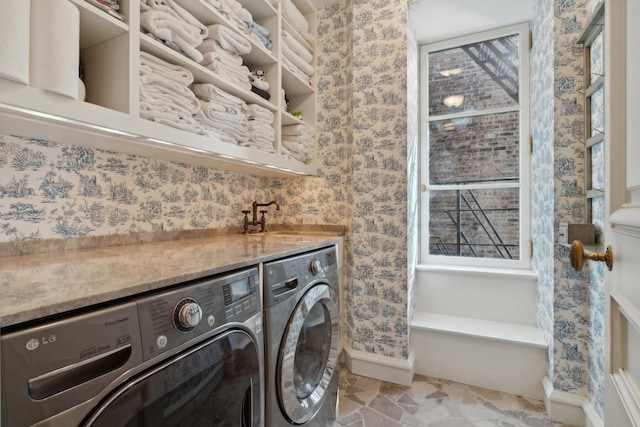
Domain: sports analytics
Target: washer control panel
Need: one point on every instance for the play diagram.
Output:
(172, 318)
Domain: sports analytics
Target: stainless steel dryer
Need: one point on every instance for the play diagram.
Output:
(189, 356)
(302, 335)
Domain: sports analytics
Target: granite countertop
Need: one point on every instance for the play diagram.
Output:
(38, 285)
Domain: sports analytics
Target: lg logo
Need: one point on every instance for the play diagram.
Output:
(34, 343)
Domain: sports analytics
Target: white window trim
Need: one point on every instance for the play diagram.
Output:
(524, 183)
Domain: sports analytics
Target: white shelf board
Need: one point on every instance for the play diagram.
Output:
(97, 26)
(260, 9)
(32, 112)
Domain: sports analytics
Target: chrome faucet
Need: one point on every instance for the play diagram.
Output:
(262, 221)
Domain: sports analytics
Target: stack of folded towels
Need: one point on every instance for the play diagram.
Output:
(221, 52)
(233, 11)
(243, 20)
(165, 96)
(296, 57)
(168, 22)
(297, 142)
(222, 115)
(260, 34)
(261, 133)
(297, 20)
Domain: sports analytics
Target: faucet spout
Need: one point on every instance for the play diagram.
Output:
(256, 205)
(262, 221)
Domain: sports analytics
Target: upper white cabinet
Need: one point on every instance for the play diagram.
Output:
(109, 116)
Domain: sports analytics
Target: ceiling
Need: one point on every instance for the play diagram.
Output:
(436, 20)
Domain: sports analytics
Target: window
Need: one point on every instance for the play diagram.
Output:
(475, 149)
(593, 42)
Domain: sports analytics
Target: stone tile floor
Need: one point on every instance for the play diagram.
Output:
(432, 402)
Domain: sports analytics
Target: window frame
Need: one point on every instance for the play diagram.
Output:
(524, 262)
(593, 29)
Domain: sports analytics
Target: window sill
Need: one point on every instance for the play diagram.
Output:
(482, 271)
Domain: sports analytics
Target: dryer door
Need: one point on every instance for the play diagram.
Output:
(217, 383)
(309, 353)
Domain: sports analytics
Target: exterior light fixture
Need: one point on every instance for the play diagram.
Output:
(453, 101)
(451, 72)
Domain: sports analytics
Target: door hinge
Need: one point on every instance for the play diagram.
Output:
(530, 144)
(530, 40)
(530, 248)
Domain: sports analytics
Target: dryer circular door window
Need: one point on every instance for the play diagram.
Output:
(309, 353)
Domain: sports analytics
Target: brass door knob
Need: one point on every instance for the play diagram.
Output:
(577, 256)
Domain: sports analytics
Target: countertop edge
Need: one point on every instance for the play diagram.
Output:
(274, 246)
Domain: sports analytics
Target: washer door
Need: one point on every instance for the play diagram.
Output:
(309, 354)
(216, 383)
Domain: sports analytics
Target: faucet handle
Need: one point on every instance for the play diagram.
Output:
(245, 212)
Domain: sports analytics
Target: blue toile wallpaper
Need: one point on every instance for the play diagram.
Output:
(380, 316)
(542, 206)
(570, 304)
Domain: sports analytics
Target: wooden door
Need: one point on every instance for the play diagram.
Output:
(622, 129)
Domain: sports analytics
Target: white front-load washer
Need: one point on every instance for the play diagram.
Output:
(302, 339)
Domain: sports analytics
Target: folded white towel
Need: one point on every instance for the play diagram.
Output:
(151, 64)
(172, 29)
(210, 92)
(293, 146)
(211, 108)
(233, 75)
(292, 155)
(158, 84)
(295, 70)
(170, 6)
(229, 39)
(296, 46)
(211, 48)
(258, 112)
(303, 66)
(298, 130)
(169, 116)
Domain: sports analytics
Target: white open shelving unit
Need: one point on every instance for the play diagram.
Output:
(109, 117)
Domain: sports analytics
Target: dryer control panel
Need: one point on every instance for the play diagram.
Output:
(172, 318)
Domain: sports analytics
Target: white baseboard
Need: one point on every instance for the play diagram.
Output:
(566, 407)
(390, 369)
(592, 419)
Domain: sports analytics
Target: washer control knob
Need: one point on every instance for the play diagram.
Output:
(315, 267)
(187, 314)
